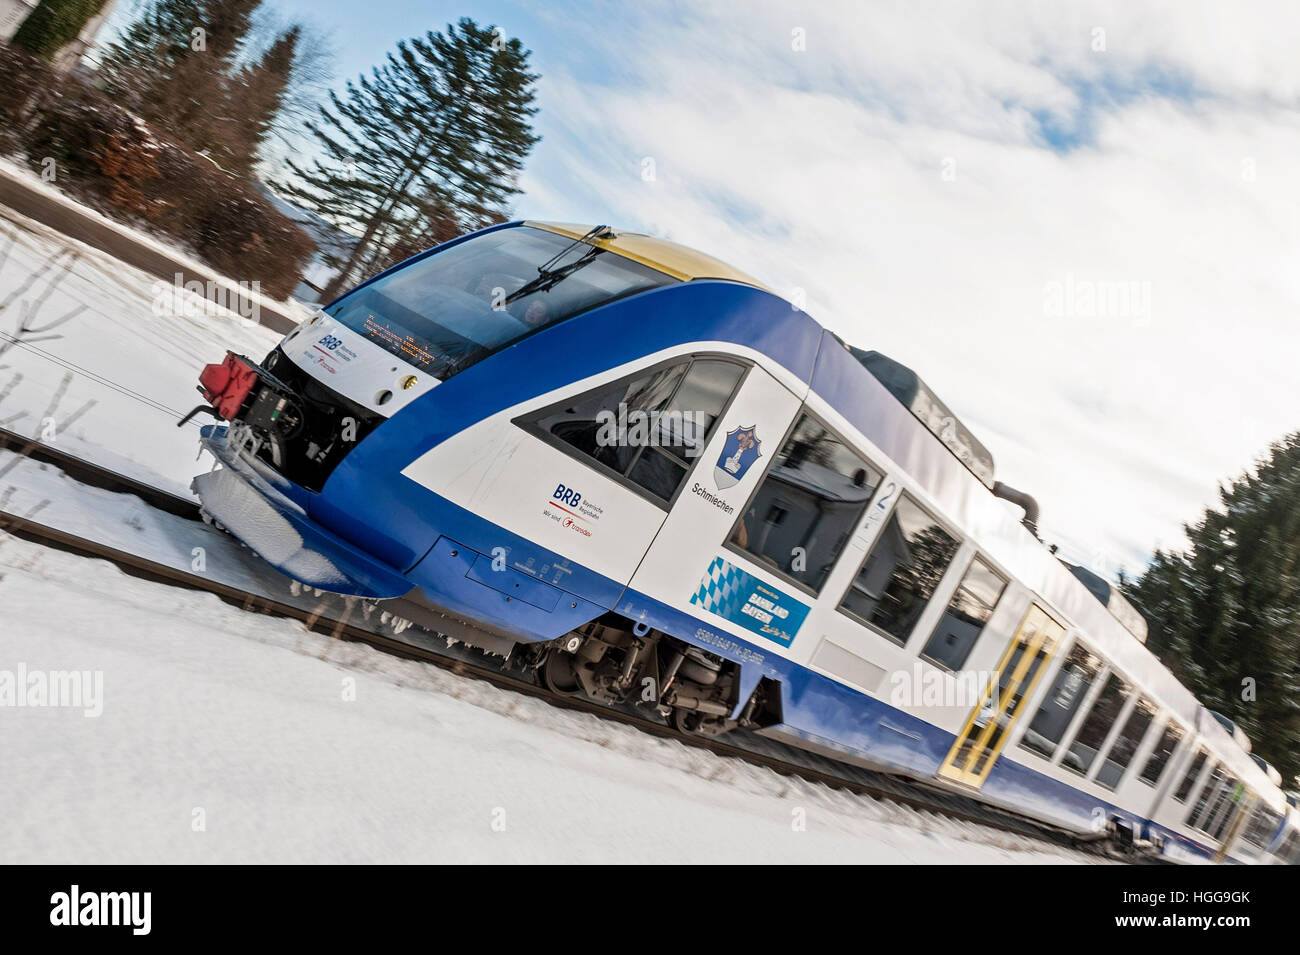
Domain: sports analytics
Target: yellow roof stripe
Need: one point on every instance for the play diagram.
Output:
(669, 257)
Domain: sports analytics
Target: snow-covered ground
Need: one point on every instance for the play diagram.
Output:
(227, 736)
(103, 367)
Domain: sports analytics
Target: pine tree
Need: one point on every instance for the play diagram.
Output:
(257, 94)
(197, 101)
(173, 67)
(145, 57)
(430, 142)
(1224, 615)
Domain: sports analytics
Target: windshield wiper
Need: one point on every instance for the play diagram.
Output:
(549, 274)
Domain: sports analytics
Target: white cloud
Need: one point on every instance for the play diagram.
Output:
(823, 170)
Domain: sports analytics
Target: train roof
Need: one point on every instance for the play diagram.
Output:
(672, 258)
(917, 397)
(1112, 600)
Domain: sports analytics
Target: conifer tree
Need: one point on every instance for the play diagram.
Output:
(431, 141)
(173, 67)
(145, 57)
(189, 69)
(257, 94)
(1224, 614)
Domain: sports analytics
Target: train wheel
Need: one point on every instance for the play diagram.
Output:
(686, 721)
(556, 673)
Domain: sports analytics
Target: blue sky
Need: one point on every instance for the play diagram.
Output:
(1078, 221)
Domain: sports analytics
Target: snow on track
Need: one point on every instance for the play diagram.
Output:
(117, 374)
(291, 746)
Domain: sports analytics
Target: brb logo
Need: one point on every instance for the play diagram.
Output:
(577, 512)
(567, 495)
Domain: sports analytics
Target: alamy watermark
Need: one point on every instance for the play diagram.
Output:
(195, 299)
(72, 689)
(76, 907)
(1075, 297)
(659, 429)
(927, 687)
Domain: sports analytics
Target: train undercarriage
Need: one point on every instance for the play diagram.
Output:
(615, 663)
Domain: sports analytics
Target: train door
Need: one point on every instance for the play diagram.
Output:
(1245, 803)
(981, 740)
(689, 556)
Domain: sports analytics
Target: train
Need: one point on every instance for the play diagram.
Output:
(641, 476)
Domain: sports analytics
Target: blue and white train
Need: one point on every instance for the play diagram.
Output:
(635, 469)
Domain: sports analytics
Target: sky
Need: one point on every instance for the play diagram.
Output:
(1076, 221)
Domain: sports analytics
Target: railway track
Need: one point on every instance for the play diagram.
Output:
(342, 618)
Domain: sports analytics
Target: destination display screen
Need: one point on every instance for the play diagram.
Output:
(401, 343)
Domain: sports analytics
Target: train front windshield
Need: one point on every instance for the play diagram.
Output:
(456, 307)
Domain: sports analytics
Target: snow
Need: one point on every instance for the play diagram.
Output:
(230, 501)
(110, 382)
(232, 737)
(124, 523)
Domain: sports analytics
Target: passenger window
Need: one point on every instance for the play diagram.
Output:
(1189, 780)
(967, 613)
(1062, 701)
(1092, 734)
(1205, 801)
(1229, 806)
(1288, 853)
(647, 429)
(896, 581)
(1126, 744)
(1159, 758)
(808, 504)
(1216, 804)
(1263, 824)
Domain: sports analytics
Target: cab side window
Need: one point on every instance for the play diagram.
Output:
(648, 429)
